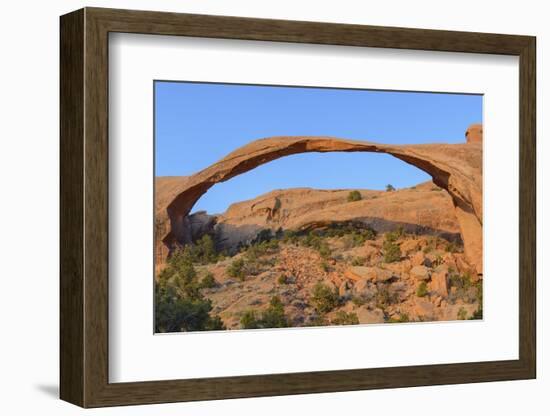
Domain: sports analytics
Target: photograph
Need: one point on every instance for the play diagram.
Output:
(298, 206)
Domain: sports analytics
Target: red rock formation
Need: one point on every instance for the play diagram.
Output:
(474, 133)
(457, 168)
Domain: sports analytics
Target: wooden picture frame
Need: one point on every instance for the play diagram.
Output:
(84, 207)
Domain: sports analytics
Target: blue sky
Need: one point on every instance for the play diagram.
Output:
(197, 124)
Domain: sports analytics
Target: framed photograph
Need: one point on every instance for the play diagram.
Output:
(255, 207)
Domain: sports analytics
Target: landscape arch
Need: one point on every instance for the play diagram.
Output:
(457, 168)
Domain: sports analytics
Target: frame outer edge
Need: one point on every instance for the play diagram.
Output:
(528, 208)
(84, 203)
(71, 208)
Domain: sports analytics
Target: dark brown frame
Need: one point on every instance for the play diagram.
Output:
(84, 208)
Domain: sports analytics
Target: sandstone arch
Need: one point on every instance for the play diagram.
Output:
(456, 168)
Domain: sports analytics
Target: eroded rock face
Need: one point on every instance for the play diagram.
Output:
(474, 133)
(422, 209)
(457, 168)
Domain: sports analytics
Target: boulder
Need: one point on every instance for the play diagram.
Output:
(367, 316)
(370, 273)
(474, 133)
(409, 246)
(344, 290)
(439, 283)
(423, 309)
(420, 273)
(420, 259)
(363, 287)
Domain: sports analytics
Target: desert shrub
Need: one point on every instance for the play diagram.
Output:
(431, 246)
(324, 250)
(436, 188)
(248, 320)
(452, 247)
(215, 323)
(390, 188)
(257, 250)
(179, 305)
(358, 261)
(290, 237)
(312, 239)
(185, 282)
(318, 320)
(462, 314)
(273, 317)
(422, 290)
(344, 318)
(394, 235)
(354, 196)
(478, 314)
(402, 318)
(384, 298)
(465, 289)
(202, 251)
(208, 281)
(358, 238)
(175, 314)
(263, 235)
(323, 298)
(236, 269)
(358, 300)
(206, 249)
(392, 252)
(460, 281)
(437, 261)
(282, 279)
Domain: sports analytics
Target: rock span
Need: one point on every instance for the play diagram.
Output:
(457, 168)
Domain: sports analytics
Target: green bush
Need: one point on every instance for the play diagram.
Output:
(282, 279)
(202, 251)
(179, 304)
(358, 238)
(208, 281)
(323, 298)
(452, 248)
(394, 235)
(249, 321)
(422, 290)
(273, 317)
(344, 318)
(462, 314)
(384, 298)
(236, 269)
(460, 281)
(389, 188)
(354, 196)
(358, 300)
(403, 317)
(324, 250)
(392, 252)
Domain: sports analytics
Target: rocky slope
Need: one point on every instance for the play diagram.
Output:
(428, 280)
